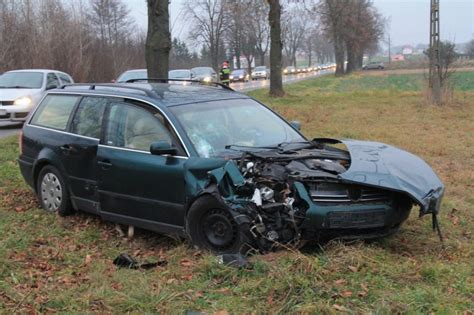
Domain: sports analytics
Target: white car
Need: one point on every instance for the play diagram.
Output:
(131, 75)
(20, 90)
(260, 72)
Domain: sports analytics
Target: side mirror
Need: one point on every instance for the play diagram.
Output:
(296, 124)
(162, 148)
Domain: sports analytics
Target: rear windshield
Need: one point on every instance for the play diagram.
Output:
(21, 80)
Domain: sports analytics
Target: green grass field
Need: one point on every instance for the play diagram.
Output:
(50, 264)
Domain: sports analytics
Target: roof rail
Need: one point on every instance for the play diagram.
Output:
(92, 86)
(164, 80)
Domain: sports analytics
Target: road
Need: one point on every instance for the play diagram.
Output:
(7, 129)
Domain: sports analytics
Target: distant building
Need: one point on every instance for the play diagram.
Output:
(407, 50)
(398, 58)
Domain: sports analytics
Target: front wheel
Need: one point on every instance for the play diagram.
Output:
(52, 191)
(210, 226)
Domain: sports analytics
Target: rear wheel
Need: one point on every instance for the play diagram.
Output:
(211, 226)
(52, 191)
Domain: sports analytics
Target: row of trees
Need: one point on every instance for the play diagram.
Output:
(95, 40)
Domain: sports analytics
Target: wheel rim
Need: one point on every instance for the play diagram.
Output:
(219, 229)
(51, 192)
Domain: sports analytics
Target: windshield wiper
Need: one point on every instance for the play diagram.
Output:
(15, 87)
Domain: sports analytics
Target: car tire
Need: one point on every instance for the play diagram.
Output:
(210, 226)
(52, 191)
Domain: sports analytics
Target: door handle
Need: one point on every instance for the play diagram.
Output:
(105, 164)
(66, 148)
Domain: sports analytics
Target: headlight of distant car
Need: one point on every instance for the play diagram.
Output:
(231, 77)
(24, 101)
(285, 71)
(264, 73)
(241, 76)
(207, 79)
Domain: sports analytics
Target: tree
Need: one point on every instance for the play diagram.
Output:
(208, 25)
(259, 26)
(276, 46)
(448, 56)
(470, 49)
(334, 14)
(294, 28)
(158, 42)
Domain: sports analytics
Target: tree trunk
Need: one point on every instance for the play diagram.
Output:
(339, 55)
(262, 58)
(276, 46)
(158, 41)
(351, 59)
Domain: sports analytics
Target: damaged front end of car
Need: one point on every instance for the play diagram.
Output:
(280, 197)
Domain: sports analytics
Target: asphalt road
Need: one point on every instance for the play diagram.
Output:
(7, 129)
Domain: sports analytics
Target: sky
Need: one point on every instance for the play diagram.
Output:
(409, 19)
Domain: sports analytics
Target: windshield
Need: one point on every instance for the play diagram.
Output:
(240, 124)
(21, 80)
(179, 74)
(260, 68)
(238, 72)
(129, 75)
(202, 71)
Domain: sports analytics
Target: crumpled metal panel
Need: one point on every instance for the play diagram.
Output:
(382, 165)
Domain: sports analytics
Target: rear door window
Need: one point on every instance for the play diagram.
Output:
(64, 78)
(54, 111)
(87, 120)
(51, 81)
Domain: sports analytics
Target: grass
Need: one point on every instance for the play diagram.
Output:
(52, 264)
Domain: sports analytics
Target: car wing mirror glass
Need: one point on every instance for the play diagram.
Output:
(162, 148)
(296, 124)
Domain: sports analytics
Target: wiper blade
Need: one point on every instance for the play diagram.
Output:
(230, 146)
(15, 87)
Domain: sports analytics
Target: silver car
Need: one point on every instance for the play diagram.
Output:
(260, 72)
(20, 90)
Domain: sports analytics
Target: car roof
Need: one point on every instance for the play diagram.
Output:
(163, 94)
(35, 70)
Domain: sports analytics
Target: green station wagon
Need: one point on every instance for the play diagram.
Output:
(214, 166)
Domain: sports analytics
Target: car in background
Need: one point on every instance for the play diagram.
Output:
(239, 75)
(131, 75)
(302, 69)
(181, 74)
(289, 70)
(21, 90)
(374, 65)
(205, 74)
(260, 72)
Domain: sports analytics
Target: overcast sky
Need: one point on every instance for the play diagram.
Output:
(409, 19)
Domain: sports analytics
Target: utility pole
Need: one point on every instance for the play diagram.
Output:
(435, 60)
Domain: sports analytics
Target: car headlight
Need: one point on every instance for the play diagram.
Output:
(207, 79)
(231, 77)
(264, 73)
(23, 101)
(241, 77)
(285, 71)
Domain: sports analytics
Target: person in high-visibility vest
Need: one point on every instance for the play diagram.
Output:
(225, 73)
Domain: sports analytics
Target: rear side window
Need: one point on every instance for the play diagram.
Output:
(88, 118)
(64, 78)
(54, 111)
(51, 81)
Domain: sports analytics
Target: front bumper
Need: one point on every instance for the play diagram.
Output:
(14, 113)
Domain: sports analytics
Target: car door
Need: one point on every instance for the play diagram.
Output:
(136, 187)
(80, 152)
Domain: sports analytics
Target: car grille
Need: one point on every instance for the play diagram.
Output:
(333, 193)
(356, 219)
(6, 103)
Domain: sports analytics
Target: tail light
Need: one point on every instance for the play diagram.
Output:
(20, 142)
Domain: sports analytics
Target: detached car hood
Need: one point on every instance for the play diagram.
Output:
(382, 165)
